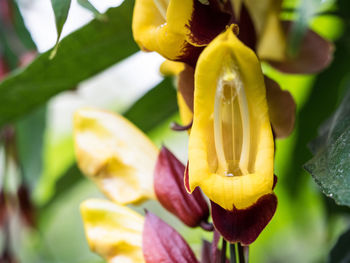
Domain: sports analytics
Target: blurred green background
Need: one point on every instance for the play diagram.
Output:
(98, 65)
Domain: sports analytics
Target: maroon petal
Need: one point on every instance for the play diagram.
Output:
(315, 54)
(244, 225)
(170, 190)
(190, 54)
(206, 23)
(162, 243)
(282, 109)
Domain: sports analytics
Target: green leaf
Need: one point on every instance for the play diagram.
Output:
(340, 252)
(82, 54)
(330, 167)
(154, 107)
(30, 139)
(60, 9)
(86, 4)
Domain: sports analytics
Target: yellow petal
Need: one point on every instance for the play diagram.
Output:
(115, 154)
(186, 114)
(171, 68)
(266, 18)
(231, 148)
(272, 42)
(113, 231)
(160, 25)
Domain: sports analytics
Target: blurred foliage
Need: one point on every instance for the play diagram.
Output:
(306, 224)
(81, 55)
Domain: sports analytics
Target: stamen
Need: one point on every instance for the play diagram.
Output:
(232, 141)
(243, 105)
(162, 6)
(219, 146)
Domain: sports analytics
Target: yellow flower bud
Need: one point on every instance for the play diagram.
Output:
(115, 154)
(113, 231)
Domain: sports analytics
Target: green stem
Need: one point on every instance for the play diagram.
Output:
(232, 253)
(241, 257)
(223, 251)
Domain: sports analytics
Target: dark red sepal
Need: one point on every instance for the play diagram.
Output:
(244, 225)
(315, 54)
(162, 243)
(170, 190)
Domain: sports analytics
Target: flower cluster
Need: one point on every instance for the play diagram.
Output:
(233, 114)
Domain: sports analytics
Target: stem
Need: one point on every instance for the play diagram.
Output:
(241, 257)
(223, 251)
(232, 253)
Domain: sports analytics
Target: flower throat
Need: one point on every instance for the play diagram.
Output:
(232, 124)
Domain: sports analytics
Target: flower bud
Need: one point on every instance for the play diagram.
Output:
(161, 243)
(115, 154)
(191, 209)
(113, 231)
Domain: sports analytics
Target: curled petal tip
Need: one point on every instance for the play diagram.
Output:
(177, 127)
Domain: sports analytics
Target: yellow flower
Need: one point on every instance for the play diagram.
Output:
(115, 154)
(160, 25)
(231, 148)
(270, 34)
(113, 231)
